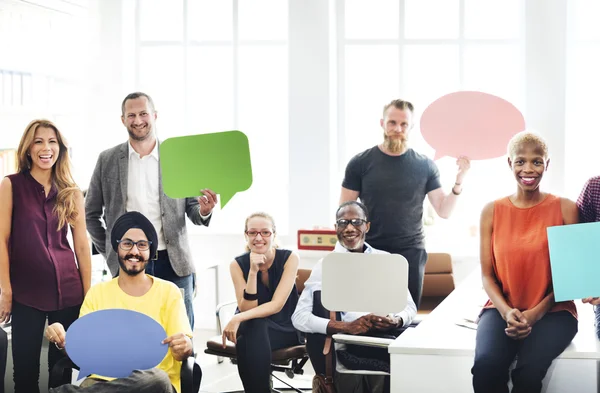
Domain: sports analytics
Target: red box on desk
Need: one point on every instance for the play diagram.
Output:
(317, 239)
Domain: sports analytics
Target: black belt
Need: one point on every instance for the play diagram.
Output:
(162, 254)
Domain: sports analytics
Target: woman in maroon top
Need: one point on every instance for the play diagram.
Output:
(39, 277)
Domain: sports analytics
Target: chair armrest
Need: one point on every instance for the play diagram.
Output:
(191, 375)
(220, 310)
(57, 375)
(362, 340)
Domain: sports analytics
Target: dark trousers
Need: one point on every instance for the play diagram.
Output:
(27, 333)
(417, 258)
(3, 355)
(495, 352)
(255, 342)
(161, 268)
(351, 383)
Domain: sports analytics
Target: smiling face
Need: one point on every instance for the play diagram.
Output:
(260, 234)
(528, 165)
(139, 118)
(44, 149)
(133, 261)
(351, 227)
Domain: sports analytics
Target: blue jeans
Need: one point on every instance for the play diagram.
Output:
(161, 268)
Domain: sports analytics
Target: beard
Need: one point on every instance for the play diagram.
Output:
(136, 136)
(395, 145)
(356, 245)
(131, 272)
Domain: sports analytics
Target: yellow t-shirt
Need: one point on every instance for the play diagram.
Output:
(163, 303)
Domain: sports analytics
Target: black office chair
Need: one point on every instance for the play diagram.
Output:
(191, 374)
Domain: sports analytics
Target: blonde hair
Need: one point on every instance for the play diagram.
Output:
(62, 178)
(266, 216)
(526, 138)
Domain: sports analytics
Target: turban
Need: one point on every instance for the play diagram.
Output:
(131, 220)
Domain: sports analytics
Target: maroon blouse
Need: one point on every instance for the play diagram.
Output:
(43, 272)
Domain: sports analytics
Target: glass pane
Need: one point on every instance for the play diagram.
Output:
(161, 20)
(496, 69)
(210, 20)
(427, 19)
(371, 81)
(263, 117)
(210, 89)
(583, 84)
(263, 19)
(428, 72)
(161, 77)
(491, 19)
(371, 19)
(584, 20)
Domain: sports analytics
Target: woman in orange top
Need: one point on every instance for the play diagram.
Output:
(521, 320)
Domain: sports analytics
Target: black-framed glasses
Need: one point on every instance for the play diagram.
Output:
(263, 233)
(356, 222)
(128, 244)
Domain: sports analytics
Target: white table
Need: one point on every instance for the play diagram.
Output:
(438, 354)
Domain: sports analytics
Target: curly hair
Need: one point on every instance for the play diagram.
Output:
(65, 207)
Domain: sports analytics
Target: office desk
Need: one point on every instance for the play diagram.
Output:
(438, 354)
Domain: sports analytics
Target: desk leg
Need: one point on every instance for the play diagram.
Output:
(216, 267)
(598, 376)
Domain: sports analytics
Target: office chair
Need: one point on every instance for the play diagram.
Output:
(290, 360)
(191, 374)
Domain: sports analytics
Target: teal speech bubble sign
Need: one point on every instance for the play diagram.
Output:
(219, 161)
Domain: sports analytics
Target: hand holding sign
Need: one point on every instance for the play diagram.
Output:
(219, 161)
(114, 343)
(470, 123)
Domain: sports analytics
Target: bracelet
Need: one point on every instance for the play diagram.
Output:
(457, 184)
(250, 296)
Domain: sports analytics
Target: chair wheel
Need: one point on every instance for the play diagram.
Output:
(289, 373)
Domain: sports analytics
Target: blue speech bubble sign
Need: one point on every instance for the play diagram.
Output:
(115, 342)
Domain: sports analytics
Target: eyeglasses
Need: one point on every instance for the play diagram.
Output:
(262, 233)
(127, 244)
(356, 222)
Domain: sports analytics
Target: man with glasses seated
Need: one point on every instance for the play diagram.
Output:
(134, 239)
(352, 225)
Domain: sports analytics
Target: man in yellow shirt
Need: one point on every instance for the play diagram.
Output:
(134, 239)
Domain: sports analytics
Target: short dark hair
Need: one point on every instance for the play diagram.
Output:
(133, 96)
(399, 104)
(356, 203)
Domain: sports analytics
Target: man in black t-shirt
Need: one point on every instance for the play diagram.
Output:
(392, 180)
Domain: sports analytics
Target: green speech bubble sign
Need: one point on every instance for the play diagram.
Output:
(219, 161)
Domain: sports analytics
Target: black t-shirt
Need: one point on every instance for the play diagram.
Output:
(393, 188)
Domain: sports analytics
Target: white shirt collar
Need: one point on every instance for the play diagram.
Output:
(340, 248)
(153, 153)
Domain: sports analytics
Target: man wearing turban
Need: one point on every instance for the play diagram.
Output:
(134, 239)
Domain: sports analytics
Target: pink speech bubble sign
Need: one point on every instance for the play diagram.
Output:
(470, 123)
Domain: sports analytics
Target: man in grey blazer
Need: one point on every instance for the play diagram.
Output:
(127, 178)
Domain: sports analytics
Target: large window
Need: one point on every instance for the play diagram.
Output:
(219, 65)
(420, 50)
(583, 84)
(44, 54)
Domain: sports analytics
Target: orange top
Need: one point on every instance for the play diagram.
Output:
(520, 254)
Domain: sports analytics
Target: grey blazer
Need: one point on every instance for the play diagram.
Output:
(106, 200)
